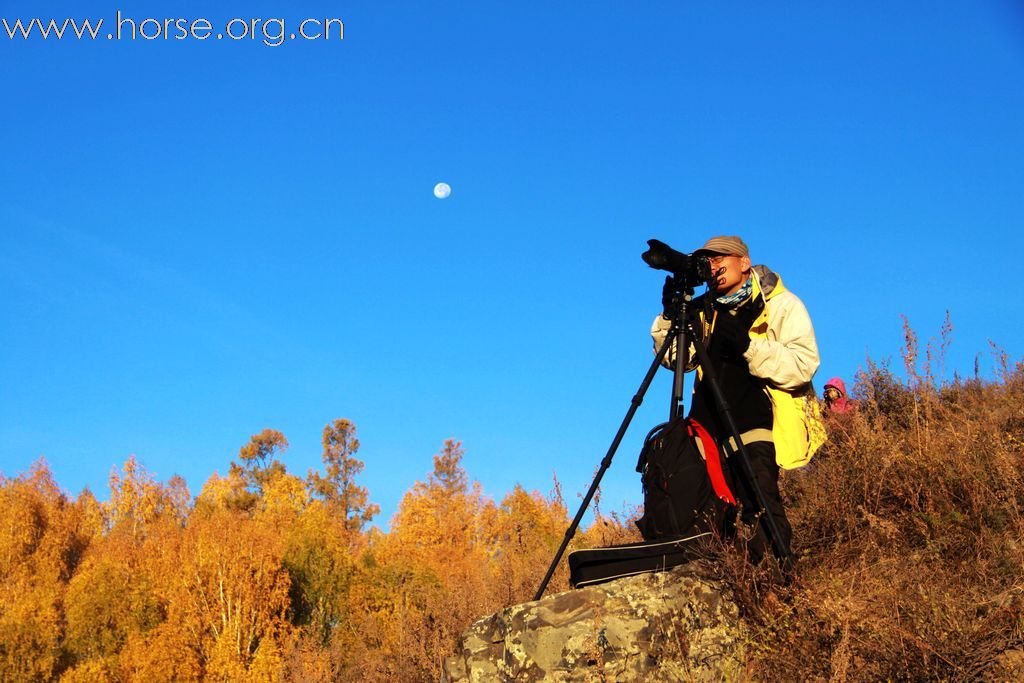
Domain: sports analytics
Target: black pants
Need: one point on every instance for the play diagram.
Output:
(766, 472)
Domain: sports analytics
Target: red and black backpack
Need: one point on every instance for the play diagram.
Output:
(685, 492)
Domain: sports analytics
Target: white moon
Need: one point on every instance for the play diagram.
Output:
(442, 190)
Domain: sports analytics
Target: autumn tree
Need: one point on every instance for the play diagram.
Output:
(439, 515)
(227, 594)
(431, 570)
(449, 476)
(322, 545)
(42, 539)
(259, 464)
(116, 599)
(137, 499)
(337, 486)
(225, 492)
(320, 563)
(266, 576)
(523, 535)
(109, 598)
(92, 514)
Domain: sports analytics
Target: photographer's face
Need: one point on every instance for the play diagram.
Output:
(730, 272)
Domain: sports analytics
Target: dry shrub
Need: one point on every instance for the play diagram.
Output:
(909, 530)
(616, 528)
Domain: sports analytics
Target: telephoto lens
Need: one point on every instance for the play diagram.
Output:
(689, 269)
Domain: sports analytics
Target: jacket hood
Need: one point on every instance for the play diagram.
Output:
(838, 383)
(768, 280)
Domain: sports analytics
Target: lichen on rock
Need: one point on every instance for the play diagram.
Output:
(675, 625)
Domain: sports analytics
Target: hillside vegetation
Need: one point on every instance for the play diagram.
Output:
(263, 575)
(908, 527)
(910, 534)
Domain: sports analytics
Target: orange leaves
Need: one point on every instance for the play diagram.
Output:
(448, 476)
(337, 486)
(452, 555)
(262, 448)
(40, 541)
(109, 598)
(229, 591)
(285, 496)
(259, 460)
(264, 576)
(137, 500)
(438, 521)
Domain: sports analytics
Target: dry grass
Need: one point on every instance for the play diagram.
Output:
(909, 530)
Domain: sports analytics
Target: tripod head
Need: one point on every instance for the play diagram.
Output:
(676, 297)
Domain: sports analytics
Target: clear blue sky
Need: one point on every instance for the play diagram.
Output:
(202, 239)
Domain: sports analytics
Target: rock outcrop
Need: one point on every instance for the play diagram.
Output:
(675, 625)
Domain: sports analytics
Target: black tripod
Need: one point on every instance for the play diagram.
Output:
(680, 332)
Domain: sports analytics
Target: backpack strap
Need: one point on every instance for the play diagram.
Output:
(712, 460)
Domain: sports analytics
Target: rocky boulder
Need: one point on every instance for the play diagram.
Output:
(674, 625)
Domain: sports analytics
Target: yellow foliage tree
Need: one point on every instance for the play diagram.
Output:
(227, 589)
(429, 574)
(109, 598)
(41, 540)
(337, 486)
(137, 499)
(523, 535)
(267, 576)
(259, 461)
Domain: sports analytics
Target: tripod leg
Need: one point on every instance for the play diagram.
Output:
(768, 522)
(638, 398)
(682, 358)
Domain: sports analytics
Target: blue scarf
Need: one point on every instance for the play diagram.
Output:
(739, 295)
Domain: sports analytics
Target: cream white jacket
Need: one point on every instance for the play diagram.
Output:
(787, 355)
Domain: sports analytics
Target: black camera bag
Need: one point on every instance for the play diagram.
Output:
(684, 494)
(687, 499)
(597, 565)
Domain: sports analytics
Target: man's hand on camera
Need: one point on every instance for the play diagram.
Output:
(668, 296)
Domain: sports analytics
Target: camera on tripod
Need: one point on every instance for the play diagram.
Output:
(689, 270)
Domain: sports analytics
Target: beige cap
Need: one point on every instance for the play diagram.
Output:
(725, 244)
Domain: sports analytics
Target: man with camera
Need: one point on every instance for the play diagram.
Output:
(762, 350)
